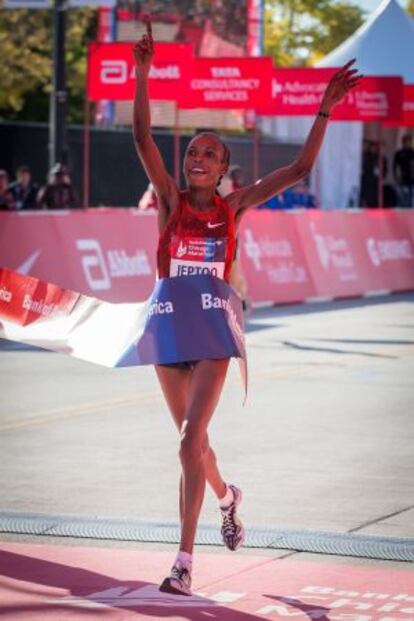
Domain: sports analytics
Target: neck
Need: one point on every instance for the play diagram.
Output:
(201, 198)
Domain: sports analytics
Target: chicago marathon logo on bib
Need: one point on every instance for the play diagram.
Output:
(197, 255)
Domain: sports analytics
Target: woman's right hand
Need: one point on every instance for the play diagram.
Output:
(144, 49)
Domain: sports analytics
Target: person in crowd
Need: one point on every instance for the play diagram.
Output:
(58, 193)
(404, 172)
(297, 197)
(369, 182)
(192, 388)
(7, 201)
(149, 199)
(24, 189)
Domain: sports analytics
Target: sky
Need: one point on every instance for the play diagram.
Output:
(370, 5)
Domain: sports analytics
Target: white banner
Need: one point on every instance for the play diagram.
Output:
(27, 4)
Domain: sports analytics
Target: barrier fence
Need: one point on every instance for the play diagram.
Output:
(287, 257)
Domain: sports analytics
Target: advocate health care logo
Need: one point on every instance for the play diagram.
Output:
(276, 257)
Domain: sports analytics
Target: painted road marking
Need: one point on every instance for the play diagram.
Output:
(81, 582)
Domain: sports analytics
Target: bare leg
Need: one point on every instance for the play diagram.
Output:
(206, 385)
(175, 384)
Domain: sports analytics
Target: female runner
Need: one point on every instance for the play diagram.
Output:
(192, 389)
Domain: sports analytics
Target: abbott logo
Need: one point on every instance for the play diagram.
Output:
(253, 250)
(92, 262)
(114, 72)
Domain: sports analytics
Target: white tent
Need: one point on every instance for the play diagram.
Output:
(383, 45)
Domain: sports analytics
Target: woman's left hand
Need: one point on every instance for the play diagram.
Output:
(339, 85)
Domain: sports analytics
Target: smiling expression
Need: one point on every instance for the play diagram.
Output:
(204, 161)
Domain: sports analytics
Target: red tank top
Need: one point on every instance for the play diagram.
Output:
(197, 242)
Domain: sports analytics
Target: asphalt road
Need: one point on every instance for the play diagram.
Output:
(325, 441)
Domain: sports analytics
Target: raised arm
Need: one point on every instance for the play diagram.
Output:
(282, 178)
(147, 150)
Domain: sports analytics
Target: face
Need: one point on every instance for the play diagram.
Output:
(203, 162)
(24, 177)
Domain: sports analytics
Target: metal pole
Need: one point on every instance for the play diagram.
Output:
(176, 147)
(256, 151)
(86, 154)
(58, 151)
(380, 168)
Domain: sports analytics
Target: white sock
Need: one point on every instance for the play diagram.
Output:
(227, 498)
(185, 559)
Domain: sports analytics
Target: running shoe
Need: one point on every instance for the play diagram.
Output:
(232, 530)
(178, 582)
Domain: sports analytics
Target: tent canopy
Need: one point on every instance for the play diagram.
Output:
(383, 45)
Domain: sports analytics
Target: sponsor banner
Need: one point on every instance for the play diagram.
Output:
(299, 92)
(108, 253)
(355, 253)
(328, 242)
(229, 83)
(407, 119)
(111, 71)
(287, 257)
(272, 258)
(184, 319)
(389, 248)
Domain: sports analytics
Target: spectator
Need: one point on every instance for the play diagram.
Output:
(7, 201)
(24, 190)
(369, 181)
(58, 193)
(297, 197)
(404, 172)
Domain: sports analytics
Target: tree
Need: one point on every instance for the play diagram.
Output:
(299, 32)
(410, 7)
(26, 72)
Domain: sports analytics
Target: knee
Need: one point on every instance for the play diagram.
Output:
(193, 448)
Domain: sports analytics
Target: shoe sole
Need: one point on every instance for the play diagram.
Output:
(166, 587)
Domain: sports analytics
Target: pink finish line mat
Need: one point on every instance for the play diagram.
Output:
(44, 582)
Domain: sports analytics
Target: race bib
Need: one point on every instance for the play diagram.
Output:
(191, 256)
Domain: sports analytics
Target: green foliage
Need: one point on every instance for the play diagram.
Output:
(299, 32)
(25, 73)
(410, 7)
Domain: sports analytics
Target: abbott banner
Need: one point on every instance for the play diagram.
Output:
(111, 71)
(108, 253)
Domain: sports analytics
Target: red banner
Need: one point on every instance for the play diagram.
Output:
(272, 258)
(108, 254)
(287, 257)
(299, 92)
(111, 71)
(229, 83)
(407, 119)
